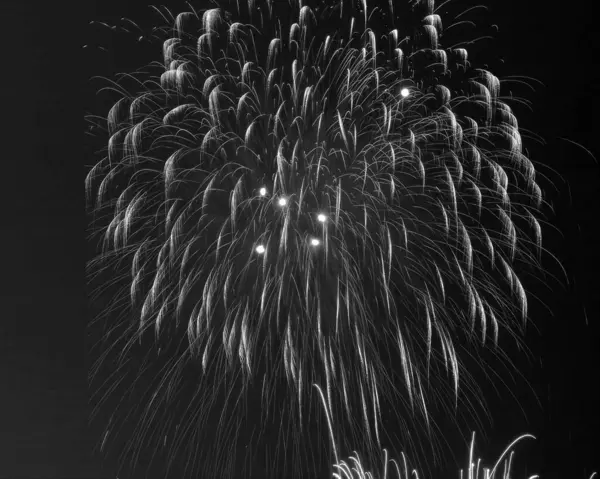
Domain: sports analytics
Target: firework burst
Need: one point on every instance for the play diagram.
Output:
(354, 469)
(295, 198)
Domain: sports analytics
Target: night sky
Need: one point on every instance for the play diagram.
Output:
(43, 366)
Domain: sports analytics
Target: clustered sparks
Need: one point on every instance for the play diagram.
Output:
(281, 203)
(304, 194)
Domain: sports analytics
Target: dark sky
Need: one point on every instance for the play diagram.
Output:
(43, 395)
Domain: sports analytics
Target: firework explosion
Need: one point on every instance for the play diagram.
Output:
(305, 195)
(353, 468)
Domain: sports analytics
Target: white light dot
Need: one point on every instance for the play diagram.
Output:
(405, 92)
(315, 242)
(282, 202)
(321, 217)
(262, 191)
(260, 249)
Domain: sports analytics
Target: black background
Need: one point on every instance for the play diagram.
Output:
(43, 395)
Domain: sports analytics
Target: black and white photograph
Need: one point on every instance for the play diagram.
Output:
(300, 239)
